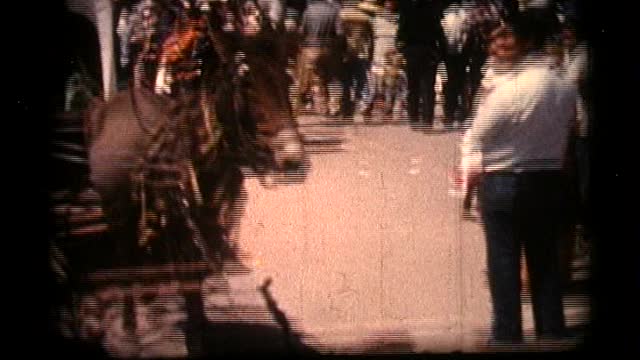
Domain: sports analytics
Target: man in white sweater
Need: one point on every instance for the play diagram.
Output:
(517, 144)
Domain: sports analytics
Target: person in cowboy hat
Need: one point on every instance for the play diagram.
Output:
(370, 6)
(386, 65)
(357, 19)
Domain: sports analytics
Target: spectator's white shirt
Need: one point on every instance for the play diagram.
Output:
(523, 123)
(575, 63)
(493, 73)
(385, 27)
(575, 69)
(274, 9)
(455, 23)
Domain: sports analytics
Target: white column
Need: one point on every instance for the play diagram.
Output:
(104, 12)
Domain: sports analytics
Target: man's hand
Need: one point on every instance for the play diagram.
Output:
(473, 177)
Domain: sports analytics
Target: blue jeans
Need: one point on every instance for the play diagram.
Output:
(582, 159)
(356, 79)
(524, 211)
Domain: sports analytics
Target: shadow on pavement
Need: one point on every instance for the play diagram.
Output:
(323, 142)
(388, 343)
(240, 338)
(226, 338)
(575, 341)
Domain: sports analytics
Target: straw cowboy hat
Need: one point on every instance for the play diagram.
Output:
(369, 5)
(354, 15)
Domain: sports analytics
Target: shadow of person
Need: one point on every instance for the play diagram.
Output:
(388, 343)
(260, 328)
(240, 338)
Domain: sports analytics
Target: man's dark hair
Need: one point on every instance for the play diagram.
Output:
(535, 26)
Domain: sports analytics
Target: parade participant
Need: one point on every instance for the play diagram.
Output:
(274, 10)
(321, 30)
(356, 64)
(387, 78)
(455, 24)
(421, 39)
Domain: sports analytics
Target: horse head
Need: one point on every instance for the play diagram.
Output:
(258, 86)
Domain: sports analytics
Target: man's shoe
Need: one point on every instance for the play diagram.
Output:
(553, 336)
(504, 344)
(551, 342)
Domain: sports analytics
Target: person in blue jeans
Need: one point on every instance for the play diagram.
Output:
(517, 145)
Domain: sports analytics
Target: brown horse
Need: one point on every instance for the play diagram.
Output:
(167, 166)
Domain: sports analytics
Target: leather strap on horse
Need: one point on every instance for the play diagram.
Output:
(166, 178)
(217, 43)
(170, 176)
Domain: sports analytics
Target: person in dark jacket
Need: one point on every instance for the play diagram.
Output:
(421, 39)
